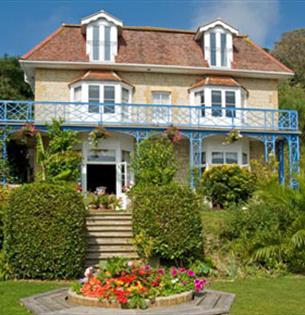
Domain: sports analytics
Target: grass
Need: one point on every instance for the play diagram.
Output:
(277, 296)
(12, 291)
(266, 296)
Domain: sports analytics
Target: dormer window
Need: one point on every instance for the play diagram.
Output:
(102, 31)
(217, 39)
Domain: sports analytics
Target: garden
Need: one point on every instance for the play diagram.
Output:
(238, 231)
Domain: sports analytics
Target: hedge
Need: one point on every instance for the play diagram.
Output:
(168, 216)
(44, 232)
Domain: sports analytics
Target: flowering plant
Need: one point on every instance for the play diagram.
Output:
(97, 134)
(132, 283)
(233, 136)
(173, 134)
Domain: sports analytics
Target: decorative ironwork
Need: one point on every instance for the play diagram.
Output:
(294, 159)
(196, 139)
(281, 161)
(145, 115)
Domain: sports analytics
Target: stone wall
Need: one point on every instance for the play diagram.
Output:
(52, 85)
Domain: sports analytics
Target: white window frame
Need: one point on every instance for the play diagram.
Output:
(218, 30)
(101, 24)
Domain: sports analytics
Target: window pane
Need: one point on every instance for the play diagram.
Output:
(107, 56)
(125, 95)
(161, 98)
(245, 158)
(224, 50)
(216, 103)
(94, 97)
(109, 98)
(230, 103)
(213, 48)
(217, 158)
(199, 100)
(96, 43)
(77, 97)
(231, 158)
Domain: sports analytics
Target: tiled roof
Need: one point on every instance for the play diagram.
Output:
(216, 80)
(100, 75)
(152, 46)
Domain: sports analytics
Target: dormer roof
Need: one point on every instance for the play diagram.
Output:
(213, 24)
(101, 15)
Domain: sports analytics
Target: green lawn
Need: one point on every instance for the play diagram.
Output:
(279, 296)
(12, 291)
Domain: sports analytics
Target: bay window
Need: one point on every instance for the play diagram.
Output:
(93, 98)
(109, 99)
(216, 103)
(77, 94)
(230, 103)
(199, 100)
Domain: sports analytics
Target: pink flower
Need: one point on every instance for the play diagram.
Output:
(130, 263)
(191, 273)
(174, 272)
(161, 271)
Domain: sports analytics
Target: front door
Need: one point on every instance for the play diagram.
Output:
(101, 175)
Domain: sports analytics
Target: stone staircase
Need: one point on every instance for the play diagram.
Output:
(109, 234)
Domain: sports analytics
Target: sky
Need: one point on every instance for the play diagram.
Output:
(24, 23)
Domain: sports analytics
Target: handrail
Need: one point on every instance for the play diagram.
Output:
(148, 115)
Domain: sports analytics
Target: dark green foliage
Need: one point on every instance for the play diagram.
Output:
(271, 230)
(12, 84)
(291, 50)
(44, 230)
(63, 166)
(169, 215)
(154, 161)
(227, 185)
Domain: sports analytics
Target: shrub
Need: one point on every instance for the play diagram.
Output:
(64, 166)
(154, 161)
(44, 230)
(270, 230)
(3, 201)
(169, 216)
(227, 184)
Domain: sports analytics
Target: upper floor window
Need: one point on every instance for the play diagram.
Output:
(93, 98)
(102, 31)
(217, 43)
(77, 94)
(162, 98)
(199, 100)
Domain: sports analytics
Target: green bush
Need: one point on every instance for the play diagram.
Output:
(270, 231)
(169, 217)
(3, 201)
(227, 184)
(44, 232)
(154, 161)
(64, 166)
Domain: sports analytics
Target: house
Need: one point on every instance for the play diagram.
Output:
(135, 81)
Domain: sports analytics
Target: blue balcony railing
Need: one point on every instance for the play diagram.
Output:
(147, 115)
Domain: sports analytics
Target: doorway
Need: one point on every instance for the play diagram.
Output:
(101, 175)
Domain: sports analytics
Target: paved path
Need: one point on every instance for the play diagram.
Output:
(55, 303)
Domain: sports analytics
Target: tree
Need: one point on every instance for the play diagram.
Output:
(12, 84)
(293, 97)
(290, 50)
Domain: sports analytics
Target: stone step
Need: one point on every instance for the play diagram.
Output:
(102, 256)
(109, 223)
(107, 234)
(117, 229)
(111, 248)
(109, 213)
(109, 241)
(109, 218)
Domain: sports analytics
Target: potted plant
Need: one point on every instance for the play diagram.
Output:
(96, 134)
(233, 136)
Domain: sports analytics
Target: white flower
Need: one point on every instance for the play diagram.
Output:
(130, 263)
(89, 272)
(174, 280)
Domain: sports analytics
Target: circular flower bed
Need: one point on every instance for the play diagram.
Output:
(135, 284)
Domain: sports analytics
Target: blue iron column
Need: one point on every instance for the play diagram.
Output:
(281, 161)
(4, 154)
(269, 142)
(195, 139)
(294, 159)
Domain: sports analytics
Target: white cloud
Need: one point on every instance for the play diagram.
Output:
(254, 18)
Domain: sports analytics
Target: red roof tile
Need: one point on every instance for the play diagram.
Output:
(152, 46)
(93, 75)
(215, 80)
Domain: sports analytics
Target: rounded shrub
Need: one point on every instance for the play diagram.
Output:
(167, 218)
(228, 184)
(44, 232)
